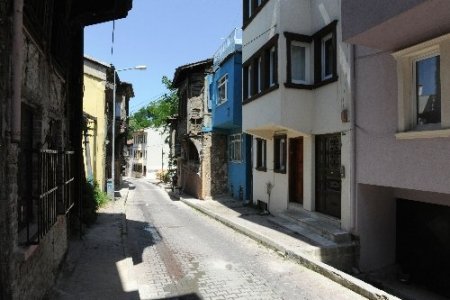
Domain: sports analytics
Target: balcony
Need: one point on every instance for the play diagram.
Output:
(391, 25)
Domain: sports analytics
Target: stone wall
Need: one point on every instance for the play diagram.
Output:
(27, 271)
(214, 165)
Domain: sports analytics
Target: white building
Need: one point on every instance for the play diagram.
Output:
(156, 152)
(297, 106)
(138, 156)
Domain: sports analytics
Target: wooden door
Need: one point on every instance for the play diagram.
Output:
(296, 170)
(328, 174)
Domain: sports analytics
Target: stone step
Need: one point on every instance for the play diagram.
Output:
(322, 225)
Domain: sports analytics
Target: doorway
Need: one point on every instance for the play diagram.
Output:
(296, 170)
(328, 174)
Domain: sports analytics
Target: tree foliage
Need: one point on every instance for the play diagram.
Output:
(157, 112)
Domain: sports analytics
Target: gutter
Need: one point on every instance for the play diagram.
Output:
(354, 225)
(16, 72)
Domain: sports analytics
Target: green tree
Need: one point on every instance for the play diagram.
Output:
(157, 112)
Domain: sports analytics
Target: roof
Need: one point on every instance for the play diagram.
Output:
(181, 71)
(96, 61)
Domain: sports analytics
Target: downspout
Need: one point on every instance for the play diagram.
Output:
(354, 225)
(16, 72)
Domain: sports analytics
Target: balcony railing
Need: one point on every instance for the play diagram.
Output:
(231, 44)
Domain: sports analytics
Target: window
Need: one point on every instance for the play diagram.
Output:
(251, 9)
(280, 148)
(299, 62)
(427, 88)
(419, 90)
(249, 81)
(261, 154)
(261, 71)
(302, 50)
(259, 82)
(222, 89)
(327, 57)
(235, 147)
(272, 66)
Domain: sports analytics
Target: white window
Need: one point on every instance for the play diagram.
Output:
(235, 148)
(420, 92)
(258, 3)
(427, 91)
(222, 89)
(250, 6)
(272, 66)
(299, 62)
(327, 57)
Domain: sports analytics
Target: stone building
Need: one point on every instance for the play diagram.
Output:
(201, 164)
(41, 164)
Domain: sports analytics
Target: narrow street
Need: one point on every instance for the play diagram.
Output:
(179, 251)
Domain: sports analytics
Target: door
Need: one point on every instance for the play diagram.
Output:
(328, 174)
(296, 170)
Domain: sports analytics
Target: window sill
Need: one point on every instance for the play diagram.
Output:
(261, 169)
(266, 91)
(299, 86)
(280, 171)
(426, 134)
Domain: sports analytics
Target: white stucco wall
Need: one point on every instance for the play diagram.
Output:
(299, 112)
(157, 152)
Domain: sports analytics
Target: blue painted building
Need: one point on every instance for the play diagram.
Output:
(225, 102)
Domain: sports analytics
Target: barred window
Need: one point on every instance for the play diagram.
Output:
(236, 147)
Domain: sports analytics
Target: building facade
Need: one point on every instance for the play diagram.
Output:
(225, 102)
(41, 163)
(297, 107)
(94, 111)
(201, 164)
(138, 155)
(402, 99)
(157, 152)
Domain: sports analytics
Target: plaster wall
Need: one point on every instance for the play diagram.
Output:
(416, 164)
(157, 152)
(94, 104)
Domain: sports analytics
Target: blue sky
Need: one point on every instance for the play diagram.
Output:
(162, 34)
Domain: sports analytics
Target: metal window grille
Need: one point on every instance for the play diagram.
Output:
(69, 181)
(48, 191)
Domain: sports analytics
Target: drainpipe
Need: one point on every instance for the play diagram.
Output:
(16, 76)
(354, 203)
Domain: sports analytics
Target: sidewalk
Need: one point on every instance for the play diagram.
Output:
(97, 266)
(264, 229)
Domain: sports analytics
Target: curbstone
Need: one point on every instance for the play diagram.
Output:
(356, 285)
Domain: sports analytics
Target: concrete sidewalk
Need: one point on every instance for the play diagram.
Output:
(265, 230)
(98, 266)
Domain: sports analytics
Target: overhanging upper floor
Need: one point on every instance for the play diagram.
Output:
(391, 25)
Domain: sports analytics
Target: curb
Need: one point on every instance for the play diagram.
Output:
(358, 286)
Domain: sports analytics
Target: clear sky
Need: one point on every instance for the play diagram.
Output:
(162, 34)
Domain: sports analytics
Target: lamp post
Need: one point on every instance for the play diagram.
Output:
(113, 138)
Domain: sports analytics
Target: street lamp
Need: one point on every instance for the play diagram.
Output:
(139, 67)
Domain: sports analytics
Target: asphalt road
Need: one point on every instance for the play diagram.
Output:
(178, 252)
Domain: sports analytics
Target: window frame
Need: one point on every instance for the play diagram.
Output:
(262, 55)
(235, 148)
(323, 65)
(222, 82)
(415, 101)
(406, 93)
(261, 155)
(280, 153)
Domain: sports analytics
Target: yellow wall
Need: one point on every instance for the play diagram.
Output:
(94, 105)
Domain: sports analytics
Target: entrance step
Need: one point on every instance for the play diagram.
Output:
(329, 243)
(320, 224)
